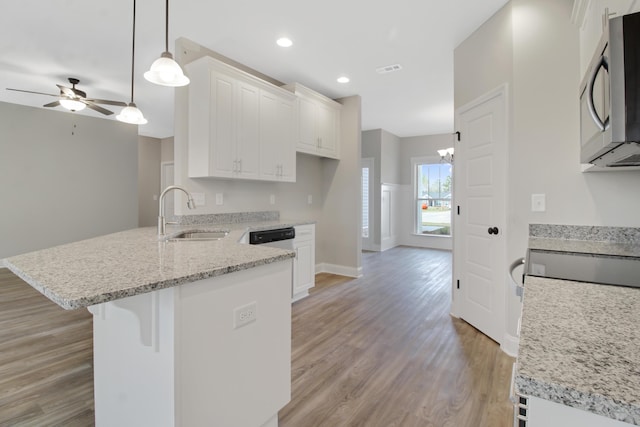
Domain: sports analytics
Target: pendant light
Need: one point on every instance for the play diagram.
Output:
(165, 71)
(131, 113)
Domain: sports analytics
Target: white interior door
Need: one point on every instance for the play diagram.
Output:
(480, 193)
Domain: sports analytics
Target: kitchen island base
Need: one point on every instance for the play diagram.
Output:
(544, 413)
(214, 352)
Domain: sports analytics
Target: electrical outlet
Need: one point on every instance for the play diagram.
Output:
(198, 198)
(538, 203)
(245, 314)
(219, 199)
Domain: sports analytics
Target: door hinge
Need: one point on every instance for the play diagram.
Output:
(458, 284)
(458, 209)
(457, 133)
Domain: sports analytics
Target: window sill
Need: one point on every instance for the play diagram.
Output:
(438, 236)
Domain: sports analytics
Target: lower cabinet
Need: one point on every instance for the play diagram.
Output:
(304, 267)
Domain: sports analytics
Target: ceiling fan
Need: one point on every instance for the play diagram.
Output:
(75, 100)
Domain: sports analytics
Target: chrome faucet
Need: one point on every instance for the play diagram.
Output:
(161, 221)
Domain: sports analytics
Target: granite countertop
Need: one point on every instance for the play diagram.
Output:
(585, 246)
(135, 261)
(579, 341)
(579, 346)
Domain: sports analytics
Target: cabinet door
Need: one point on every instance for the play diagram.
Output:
(327, 132)
(222, 132)
(286, 147)
(307, 131)
(268, 135)
(304, 266)
(247, 161)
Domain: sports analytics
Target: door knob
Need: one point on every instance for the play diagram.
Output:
(493, 230)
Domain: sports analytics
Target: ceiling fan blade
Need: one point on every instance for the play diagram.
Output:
(52, 104)
(98, 108)
(30, 91)
(107, 102)
(67, 91)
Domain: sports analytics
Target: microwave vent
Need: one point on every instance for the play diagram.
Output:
(632, 160)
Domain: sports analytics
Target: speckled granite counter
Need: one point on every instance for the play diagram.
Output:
(579, 342)
(132, 262)
(579, 346)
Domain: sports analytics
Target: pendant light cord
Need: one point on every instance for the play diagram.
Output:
(166, 28)
(133, 48)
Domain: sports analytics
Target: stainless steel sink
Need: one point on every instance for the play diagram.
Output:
(200, 235)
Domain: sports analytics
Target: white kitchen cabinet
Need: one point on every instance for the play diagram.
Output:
(278, 152)
(544, 413)
(318, 123)
(304, 266)
(239, 126)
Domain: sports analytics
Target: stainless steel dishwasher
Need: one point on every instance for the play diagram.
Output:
(278, 238)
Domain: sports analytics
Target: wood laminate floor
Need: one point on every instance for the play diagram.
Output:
(381, 350)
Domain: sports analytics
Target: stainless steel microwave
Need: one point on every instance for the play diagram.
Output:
(610, 97)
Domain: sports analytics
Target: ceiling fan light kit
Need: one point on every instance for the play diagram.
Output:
(165, 71)
(72, 105)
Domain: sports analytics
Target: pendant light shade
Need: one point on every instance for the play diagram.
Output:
(131, 113)
(165, 71)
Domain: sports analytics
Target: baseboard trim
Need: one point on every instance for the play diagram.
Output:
(510, 345)
(341, 270)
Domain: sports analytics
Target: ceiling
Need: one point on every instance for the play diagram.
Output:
(45, 42)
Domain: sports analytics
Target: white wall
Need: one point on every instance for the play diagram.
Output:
(531, 45)
(340, 223)
(64, 177)
(325, 180)
(372, 148)
(390, 158)
(148, 180)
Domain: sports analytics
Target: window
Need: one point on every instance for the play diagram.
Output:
(433, 187)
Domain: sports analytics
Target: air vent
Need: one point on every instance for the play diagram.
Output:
(633, 160)
(389, 69)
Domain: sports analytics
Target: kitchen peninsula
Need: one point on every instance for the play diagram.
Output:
(193, 333)
(578, 355)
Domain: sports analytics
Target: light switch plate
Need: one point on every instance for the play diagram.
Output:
(272, 199)
(309, 199)
(538, 203)
(219, 199)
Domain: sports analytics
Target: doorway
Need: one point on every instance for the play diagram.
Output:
(480, 216)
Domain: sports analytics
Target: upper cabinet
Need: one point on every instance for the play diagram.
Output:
(588, 15)
(239, 126)
(318, 123)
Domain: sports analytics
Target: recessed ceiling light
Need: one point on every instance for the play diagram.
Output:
(284, 42)
(343, 79)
